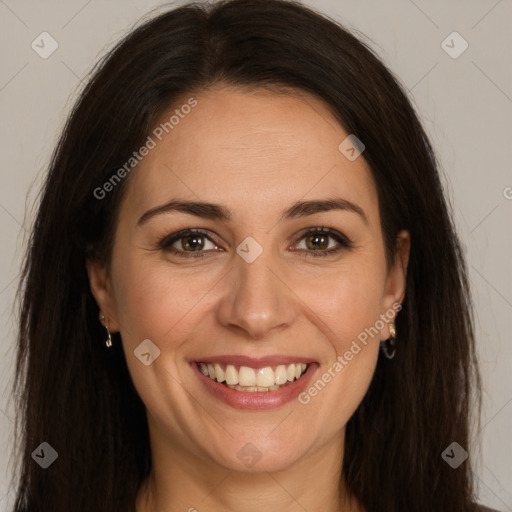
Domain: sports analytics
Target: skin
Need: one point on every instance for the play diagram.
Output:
(255, 153)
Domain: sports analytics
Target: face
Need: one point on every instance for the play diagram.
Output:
(272, 284)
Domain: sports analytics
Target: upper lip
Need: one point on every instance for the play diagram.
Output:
(255, 362)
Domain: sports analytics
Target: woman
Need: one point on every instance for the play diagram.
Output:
(244, 290)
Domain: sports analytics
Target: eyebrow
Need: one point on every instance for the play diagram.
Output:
(218, 212)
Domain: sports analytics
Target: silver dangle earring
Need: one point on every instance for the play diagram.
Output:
(389, 346)
(108, 341)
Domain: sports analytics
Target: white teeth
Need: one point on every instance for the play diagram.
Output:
(231, 375)
(253, 388)
(221, 376)
(246, 376)
(265, 377)
(281, 375)
(250, 379)
(290, 371)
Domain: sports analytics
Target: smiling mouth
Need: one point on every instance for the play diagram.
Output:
(245, 378)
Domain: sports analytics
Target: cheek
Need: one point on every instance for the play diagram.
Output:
(153, 300)
(163, 306)
(348, 301)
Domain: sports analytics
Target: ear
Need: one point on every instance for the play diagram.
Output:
(394, 292)
(101, 288)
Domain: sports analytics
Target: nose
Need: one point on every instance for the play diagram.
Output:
(257, 299)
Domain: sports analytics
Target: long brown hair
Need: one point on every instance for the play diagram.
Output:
(80, 398)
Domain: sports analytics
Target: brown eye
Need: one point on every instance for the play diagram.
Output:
(193, 242)
(319, 242)
(188, 243)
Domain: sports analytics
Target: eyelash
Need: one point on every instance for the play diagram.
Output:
(166, 243)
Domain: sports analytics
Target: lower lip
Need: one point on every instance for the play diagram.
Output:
(256, 400)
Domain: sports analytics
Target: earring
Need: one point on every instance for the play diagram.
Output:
(389, 346)
(108, 341)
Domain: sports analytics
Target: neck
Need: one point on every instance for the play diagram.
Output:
(181, 482)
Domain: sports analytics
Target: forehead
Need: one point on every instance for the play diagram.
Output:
(249, 150)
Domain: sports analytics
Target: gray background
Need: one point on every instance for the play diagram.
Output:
(465, 104)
